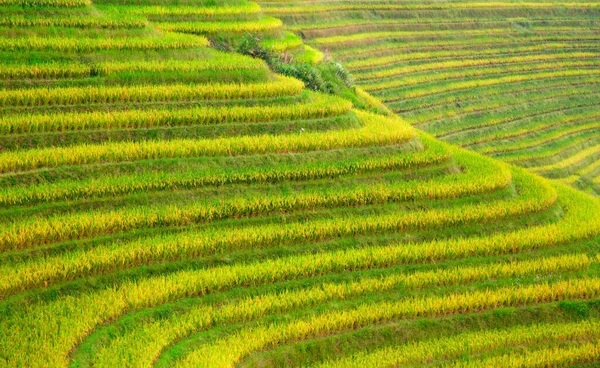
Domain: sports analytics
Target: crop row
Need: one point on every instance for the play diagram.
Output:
(591, 169)
(557, 356)
(456, 64)
(225, 352)
(225, 62)
(551, 151)
(498, 76)
(457, 54)
(79, 315)
(531, 72)
(572, 161)
(318, 106)
(554, 152)
(550, 136)
(432, 104)
(311, 9)
(433, 20)
(472, 342)
(282, 86)
(376, 131)
(263, 25)
(24, 234)
(145, 343)
(358, 38)
(52, 3)
(338, 41)
(83, 44)
(194, 244)
(114, 186)
(434, 107)
(202, 11)
(437, 22)
(475, 45)
(526, 125)
(78, 22)
(563, 109)
(474, 109)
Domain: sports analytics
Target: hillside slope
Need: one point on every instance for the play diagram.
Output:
(515, 80)
(167, 200)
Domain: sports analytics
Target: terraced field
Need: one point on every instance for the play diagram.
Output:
(514, 80)
(168, 200)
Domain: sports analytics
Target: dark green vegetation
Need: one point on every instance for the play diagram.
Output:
(189, 184)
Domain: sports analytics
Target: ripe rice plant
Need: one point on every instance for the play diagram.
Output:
(433, 154)
(376, 131)
(586, 352)
(230, 350)
(311, 9)
(154, 336)
(317, 106)
(205, 243)
(469, 84)
(474, 342)
(281, 86)
(123, 21)
(68, 44)
(159, 11)
(265, 24)
(368, 63)
(69, 70)
(79, 314)
(44, 3)
(358, 38)
(168, 199)
(471, 45)
(571, 162)
(407, 70)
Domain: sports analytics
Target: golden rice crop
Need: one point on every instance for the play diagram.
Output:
(318, 106)
(204, 243)
(263, 25)
(56, 3)
(471, 342)
(78, 22)
(376, 131)
(445, 65)
(416, 55)
(432, 154)
(282, 86)
(285, 10)
(203, 11)
(565, 69)
(82, 44)
(569, 355)
(79, 314)
(571, 161)
(228, 351)
(152, 338)
(224, 62)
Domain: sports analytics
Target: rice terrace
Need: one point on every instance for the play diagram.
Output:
(299, 183)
